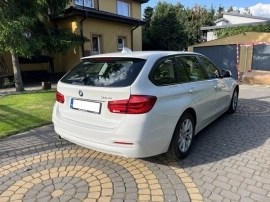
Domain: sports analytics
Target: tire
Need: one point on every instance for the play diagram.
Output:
(182, 137)
(234, 102)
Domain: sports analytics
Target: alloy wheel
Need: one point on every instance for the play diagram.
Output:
(185, 136)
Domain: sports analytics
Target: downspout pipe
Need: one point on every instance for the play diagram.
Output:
(81, 28)
(98, 5)
(132, 30)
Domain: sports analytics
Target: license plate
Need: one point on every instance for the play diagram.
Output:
(87, 106)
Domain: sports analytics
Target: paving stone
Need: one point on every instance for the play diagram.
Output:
(169, 191)
(183, 195)
(258, 197)
(82, 189)
(256, 190)
(49, 188)
(222, 185)
(9, 183)
(131, 184)
(74, 200)
(120, 195)
(229, 165)
(59, 185)
(209, 186)
(230, 195)
(74, 180)
(29, 199)
(55, 200)
(215, 197)
(46, 198)
(170, 197)
(48, 182)
(70, 192)
(132, 196)
(38, 187)
(245, 199)
(131, 190)
(81, 196)
(119, 189)
(31, 193)
(67, 186)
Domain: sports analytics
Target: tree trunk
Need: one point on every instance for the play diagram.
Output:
(17, 73)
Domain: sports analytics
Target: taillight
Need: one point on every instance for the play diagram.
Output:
(136, 104)
(60, 97)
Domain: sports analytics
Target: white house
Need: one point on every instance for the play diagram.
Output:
(232, 19)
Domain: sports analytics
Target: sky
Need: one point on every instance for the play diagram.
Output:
(258, 8)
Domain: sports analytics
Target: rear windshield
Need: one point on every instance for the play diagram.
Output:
(109, 72)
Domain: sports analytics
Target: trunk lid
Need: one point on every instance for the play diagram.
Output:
(89, 87)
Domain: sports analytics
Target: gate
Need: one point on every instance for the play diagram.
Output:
(224, 57)
(261, 57)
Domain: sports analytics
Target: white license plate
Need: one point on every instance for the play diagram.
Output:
(82, 105)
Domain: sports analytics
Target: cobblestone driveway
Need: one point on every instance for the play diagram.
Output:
(230, 161)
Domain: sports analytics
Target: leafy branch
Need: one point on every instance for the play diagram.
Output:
(230, 31)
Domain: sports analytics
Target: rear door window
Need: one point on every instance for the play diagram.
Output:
(165, 72)
(109, 72)
(193, 68)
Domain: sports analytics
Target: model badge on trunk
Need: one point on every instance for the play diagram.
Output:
(80, 93)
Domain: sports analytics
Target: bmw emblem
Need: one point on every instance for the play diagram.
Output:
(80, 93)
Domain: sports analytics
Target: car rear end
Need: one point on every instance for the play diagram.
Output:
(95, 108)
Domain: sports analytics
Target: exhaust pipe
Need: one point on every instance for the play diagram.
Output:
(59, 137)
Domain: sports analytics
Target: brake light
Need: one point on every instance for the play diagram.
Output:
(60, 97)
(136, 104)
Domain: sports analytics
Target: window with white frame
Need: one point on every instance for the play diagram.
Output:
(86, 3)
(121, 43)
(96, 44)
(123, 8)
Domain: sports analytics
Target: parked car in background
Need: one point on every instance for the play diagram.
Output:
(140, 104)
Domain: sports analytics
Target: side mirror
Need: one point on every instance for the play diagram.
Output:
(226, 73)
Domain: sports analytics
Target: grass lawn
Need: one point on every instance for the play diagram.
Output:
(21, 112)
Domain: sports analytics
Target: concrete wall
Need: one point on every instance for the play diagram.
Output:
(248, 38)
(211, 36)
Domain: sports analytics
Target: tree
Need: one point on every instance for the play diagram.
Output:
(26, 30)
(233, 9)
(193, 19)
(167, 32)
(174, 27)
(219, 13)
(230, 9)
(247, 11)
(148, 13)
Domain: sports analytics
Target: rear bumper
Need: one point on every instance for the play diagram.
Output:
(150, 135)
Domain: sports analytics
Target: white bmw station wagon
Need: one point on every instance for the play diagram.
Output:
(140, 104)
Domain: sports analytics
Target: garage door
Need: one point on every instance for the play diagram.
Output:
(224, 57)
(261, 57)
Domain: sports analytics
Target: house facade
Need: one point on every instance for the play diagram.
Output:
(109, 24)
(232, 19)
